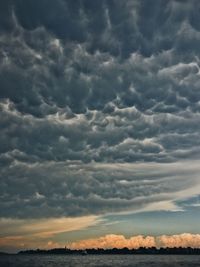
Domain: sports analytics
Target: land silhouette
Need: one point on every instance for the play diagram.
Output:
(93, 251)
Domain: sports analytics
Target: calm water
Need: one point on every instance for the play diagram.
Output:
(99, 260)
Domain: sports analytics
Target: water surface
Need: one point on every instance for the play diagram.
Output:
(99, 260)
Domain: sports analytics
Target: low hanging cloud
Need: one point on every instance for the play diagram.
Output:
(115, 241)
(119, 241)
(36, 237)
(182, 240)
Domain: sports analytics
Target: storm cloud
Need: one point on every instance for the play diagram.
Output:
(99, 104)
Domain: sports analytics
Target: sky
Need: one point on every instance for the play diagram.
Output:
(99, 123)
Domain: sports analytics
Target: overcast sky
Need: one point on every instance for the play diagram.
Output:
(100, 121)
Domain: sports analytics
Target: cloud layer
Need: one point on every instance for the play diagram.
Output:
(119, 241)
(35, 190)
(99, 106)
(18, 233)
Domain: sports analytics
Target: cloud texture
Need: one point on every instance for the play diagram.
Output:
(119, 241)
(99, 104)
(18, 233)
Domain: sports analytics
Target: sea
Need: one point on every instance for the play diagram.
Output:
(99, 260)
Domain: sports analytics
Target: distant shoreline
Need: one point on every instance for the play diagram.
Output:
(115, 251)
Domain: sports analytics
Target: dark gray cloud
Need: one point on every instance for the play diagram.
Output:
(74, 189)
(95, 82)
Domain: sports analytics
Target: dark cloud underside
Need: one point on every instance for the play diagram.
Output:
(86, 84)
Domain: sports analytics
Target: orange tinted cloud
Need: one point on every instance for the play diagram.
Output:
(44, 233)
(39, 233)
(45, 227)
(182, 240)
(119, 241)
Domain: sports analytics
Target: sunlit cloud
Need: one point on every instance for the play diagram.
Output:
(15, 243)
(134, 242)
(16, 233)
(182, 240)
(115, 241)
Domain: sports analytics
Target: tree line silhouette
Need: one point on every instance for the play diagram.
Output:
(93, 251)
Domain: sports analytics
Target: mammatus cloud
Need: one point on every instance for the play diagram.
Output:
(134, 242)
(100, 107)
